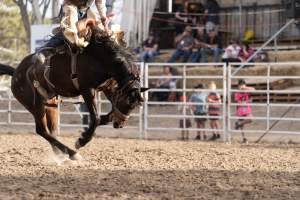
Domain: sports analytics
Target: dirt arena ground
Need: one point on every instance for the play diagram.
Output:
(139, 169)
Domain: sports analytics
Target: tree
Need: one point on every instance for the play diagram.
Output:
(55, 9)
(36, 16)
(12, 33)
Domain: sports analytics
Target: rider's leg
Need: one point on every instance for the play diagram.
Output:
(49, 48)
(69, 25)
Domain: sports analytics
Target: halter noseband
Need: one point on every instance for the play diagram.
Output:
(119, 115)
(119, 93)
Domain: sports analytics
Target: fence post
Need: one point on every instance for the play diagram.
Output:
(145, 113)
(228, 125)
(268, 96)
(141, 109)
(225, 130)
(184, 97)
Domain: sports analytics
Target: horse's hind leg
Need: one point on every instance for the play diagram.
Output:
(52, 120)
(42, 129)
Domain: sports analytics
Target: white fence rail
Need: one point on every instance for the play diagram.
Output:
(162, 116)
(276, 117)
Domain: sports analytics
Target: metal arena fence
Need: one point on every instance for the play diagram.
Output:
(275, 102)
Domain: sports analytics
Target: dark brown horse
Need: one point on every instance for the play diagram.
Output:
(102, 60)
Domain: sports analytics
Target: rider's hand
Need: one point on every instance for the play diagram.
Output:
(105, 21)
(81, 42)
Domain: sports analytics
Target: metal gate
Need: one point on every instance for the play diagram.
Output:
(275, 105)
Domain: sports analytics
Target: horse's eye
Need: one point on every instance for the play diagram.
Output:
(132, 94)
(132, 97)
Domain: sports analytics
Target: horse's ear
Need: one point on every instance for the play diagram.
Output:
(144, 89)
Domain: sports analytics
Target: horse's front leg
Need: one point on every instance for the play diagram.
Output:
(90, 100)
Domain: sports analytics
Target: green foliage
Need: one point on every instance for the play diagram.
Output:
(12, 33)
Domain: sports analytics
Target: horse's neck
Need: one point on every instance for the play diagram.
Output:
(122, 77)
(119, 72)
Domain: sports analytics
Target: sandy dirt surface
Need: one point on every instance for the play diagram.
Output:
(139, 169)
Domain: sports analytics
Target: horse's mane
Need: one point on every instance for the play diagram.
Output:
(102, 41)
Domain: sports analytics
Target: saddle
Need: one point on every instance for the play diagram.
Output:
(41, 74)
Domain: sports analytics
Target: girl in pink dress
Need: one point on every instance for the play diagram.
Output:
(244, 108)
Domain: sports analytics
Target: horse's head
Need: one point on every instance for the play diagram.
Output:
(119, 64)
(124, 100)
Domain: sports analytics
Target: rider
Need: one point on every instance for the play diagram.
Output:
(73, 10)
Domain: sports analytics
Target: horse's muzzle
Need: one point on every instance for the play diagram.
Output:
(118, 125)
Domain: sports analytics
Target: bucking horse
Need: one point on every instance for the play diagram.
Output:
(104, 65)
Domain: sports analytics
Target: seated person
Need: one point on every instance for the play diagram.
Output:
(262, 56)
(232, 52)
(199, 43)
(246, 52)
(164, 82)
(185, 43)
(150, 49)
(212, 46)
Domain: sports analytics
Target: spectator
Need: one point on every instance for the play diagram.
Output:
(243, 108)
(212, 46)
(246, 52)
(184, 123)
(261, 57)
(199, 110)
(163, 83)
(183, 17)
(199, 43)
(211, 15)
(150, 49)
(185, 42)
(232, 52)
(214, 110)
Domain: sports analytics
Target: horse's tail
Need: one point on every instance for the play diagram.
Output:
(6, 70)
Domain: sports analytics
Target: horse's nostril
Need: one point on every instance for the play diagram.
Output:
(116, 125)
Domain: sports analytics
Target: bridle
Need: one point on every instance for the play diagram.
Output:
(117, 114)
(118, 95)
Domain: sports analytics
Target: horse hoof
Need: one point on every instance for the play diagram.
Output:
(77, 145)
(76, 156)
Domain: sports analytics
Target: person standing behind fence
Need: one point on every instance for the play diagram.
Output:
(200, 110)
(184, 122)
(214, 110)
(243, 109)
(85, 118)
(183, 17)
